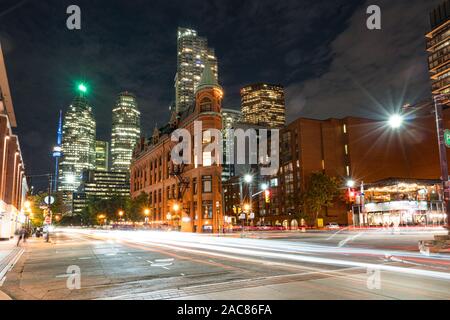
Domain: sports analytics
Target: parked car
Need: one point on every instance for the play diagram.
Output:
(332, 225)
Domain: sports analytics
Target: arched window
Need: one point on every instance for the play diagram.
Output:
(206, 105)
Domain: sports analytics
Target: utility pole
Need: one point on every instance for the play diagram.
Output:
(440, 242)
(49, 202)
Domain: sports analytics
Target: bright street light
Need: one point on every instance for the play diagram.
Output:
(147, 212)
(248, 178)
(264, 186)
(120, 213)
(247, 207)
(176, 207)
(396, 121)
(350, 183)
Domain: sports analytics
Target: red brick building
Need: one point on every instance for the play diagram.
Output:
(187, 196)
(13, 185)
(351, 148)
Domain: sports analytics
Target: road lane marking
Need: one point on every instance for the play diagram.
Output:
(161, 263)
(348, 239)
(164, 260)
(334, 234)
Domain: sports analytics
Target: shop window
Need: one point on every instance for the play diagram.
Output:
(207, 209)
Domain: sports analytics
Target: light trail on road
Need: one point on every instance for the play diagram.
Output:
(296, 252)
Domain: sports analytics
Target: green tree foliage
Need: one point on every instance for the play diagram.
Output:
(107, 207)
(135, 207)
(38, 204)
(320, 192)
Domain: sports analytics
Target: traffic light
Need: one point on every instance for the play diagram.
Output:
(351, 195)
(267, 196)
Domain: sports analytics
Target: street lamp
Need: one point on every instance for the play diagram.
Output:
(176, 207)
(247, 207)
(350, 183)
(146, 213)
(264, 186)
(248, 178)
(396, 121)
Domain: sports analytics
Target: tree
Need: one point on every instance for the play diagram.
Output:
(135, 207)
(37, 217)
(320, 192)
(108, 207)
(38, 203)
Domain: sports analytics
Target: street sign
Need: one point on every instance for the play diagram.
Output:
(49, 200)
(447, 138)
(252, 216)
(242, 216)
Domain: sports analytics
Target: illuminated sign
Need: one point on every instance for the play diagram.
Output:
(397, 205)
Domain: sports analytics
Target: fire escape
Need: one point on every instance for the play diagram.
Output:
(183, 182)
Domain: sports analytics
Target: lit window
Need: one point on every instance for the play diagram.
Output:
(207, 184)
(207, 159)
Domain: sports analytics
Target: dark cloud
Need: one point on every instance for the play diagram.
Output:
(320, 50)
(371, 72)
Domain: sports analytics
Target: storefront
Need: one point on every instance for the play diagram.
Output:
(405, 213)
(401, 202)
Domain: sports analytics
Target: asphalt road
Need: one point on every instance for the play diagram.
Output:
(281, 265)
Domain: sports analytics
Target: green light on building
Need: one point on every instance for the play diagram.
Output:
(82, 88)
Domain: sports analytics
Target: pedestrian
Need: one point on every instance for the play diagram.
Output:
(22, 235)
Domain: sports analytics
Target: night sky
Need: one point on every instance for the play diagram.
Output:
(321, 51)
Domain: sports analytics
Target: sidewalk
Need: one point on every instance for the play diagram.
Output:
(9, 255)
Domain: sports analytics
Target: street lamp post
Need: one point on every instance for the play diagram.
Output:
(396, 122)
(176, 208)
(249, 179)
(146, 213)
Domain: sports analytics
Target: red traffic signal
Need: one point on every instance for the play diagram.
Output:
(267, 196)
(351, 193)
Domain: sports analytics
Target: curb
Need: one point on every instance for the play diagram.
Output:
(4, 296)
(8, 263)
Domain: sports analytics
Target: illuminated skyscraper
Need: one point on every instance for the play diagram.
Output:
(78, 142)
(193, 53)
(126, 130)
(263, 104)
(438, 48)
(230, 118)
(101, 155)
